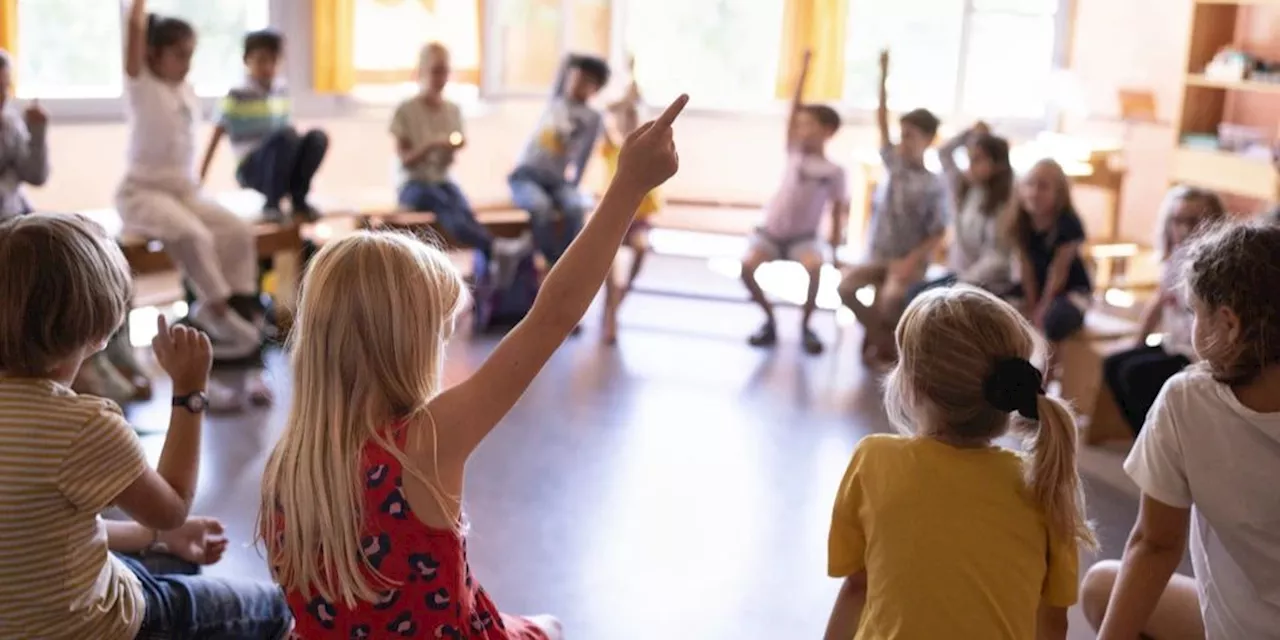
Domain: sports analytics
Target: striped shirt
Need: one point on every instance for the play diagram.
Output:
(63, 459)
(251, 112)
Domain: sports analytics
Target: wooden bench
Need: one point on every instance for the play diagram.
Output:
(1080, 358)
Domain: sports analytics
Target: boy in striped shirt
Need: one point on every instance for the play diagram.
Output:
(274, 159)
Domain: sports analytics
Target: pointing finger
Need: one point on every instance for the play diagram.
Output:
(673, 110)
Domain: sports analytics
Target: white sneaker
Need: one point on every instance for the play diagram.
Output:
(232, 335)
(224, 398)
(549, 625)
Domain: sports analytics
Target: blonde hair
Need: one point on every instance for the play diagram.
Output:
(66, 286)
(429, 53)
(1212, 210)
(1019, 224)
(367, 351)
(951, 342)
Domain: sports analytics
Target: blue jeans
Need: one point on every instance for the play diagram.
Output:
(453, 212)
(283, 165)
(542, 202)
(184, 606)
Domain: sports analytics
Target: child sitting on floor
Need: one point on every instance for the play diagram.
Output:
(68, 457)
(546, 178)
(1053, 283)
(273, 158)
(362, 512)
(942, 533)
(24, 150)
(1135, 376)
(909, 216)
(427, 130)
(1208, 463)
(624, 117)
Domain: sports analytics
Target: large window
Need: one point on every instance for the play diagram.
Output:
(389, 35)
(988, 58)
(73, 48)
(725, 50)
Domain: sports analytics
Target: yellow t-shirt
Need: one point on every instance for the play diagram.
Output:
(63, 459)
(952, 545)
(652, 201)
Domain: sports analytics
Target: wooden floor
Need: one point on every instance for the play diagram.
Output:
(678, 485)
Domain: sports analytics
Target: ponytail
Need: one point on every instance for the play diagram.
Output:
(1052, 475)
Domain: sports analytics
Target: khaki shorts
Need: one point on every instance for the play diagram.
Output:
(806, 250)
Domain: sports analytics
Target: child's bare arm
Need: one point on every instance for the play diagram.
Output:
(1151, 315)
(474, 407)
(1027, 277)
(847, 611)
(1051, 623)
(1059, 269)
(882, 108)
(135, 39)
(797, 98)
(1151, 556)
(839, 221)
(211, 151)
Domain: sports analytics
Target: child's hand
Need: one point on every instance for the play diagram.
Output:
(648, 157)
(980, 128)
(35, 116)
(199, 541)
(185, 354)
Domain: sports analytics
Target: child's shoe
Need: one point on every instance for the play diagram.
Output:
(232, 335)
(304, 212)
(767, 336)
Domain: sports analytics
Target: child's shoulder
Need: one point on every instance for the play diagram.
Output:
(1193, 386)
(883, 444)
(55, 403)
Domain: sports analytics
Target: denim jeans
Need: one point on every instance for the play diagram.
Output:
(543, 202)
(453, 212)
(283, 165)
(184, 606)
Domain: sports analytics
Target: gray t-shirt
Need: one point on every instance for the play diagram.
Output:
(909, 206)
(564, 137)
(419, 123)
(24, 158)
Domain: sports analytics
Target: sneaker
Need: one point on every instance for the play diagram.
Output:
(767, 336)
(272, 214)
(232, 336)
(304, 212)
(224, 398)
(548, 625)
(812, 345)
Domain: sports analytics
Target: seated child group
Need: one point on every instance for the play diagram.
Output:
(937, 532)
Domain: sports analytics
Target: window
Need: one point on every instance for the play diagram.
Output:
(530, 39)
(725, 49)
(389, 35)
(991, 58)
(73, 48)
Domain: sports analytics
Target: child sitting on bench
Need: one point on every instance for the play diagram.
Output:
(24, 151)
(546, 178)
(273, 158)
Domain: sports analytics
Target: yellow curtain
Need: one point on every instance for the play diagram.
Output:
(819, 26)
(9, 26)
(333, 46)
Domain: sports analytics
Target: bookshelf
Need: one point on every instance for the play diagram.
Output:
(1207, 102)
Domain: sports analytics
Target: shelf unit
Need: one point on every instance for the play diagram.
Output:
(1205, 102)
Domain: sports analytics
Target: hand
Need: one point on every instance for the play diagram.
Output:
(198, 540)
(185, 354)
(648, 156)
(884, 61)
(35, 116)
(980, 128)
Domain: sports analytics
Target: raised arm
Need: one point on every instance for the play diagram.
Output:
(135, 39)
(882, 107)
(797, 98)
(473, 407)
(32, 162)
(947, 156)
(557, 89)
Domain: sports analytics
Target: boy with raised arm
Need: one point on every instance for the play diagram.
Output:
(24, 154)
(811, 184)
(909, 216)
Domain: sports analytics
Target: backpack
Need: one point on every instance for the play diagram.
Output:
(505, 285)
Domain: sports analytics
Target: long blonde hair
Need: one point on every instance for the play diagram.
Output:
(367, 351)
(951, 341)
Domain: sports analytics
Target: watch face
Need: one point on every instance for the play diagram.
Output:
(197, 402)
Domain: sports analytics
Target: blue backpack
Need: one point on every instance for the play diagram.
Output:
(505, 286)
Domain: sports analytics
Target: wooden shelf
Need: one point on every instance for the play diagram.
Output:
(1198, 80)
(1225, 172)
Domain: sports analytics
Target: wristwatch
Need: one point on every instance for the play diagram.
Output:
(195, 402)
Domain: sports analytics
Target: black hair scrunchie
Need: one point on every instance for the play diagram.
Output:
(1014, 385)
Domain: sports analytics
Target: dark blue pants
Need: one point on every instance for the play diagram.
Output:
(283, 165)
(543, 202)
(183, 606)
(1135, 378)
(453, 212)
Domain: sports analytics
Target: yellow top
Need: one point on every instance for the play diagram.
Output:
(951, 543)
(652, 202)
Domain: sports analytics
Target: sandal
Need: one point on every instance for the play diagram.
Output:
(812, 345)
(767, 336)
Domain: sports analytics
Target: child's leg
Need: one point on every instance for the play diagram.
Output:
(809, 255)
(312, 148)
(569, 201)
(233, 240)
(1177, 613)
(463, 224)
(638, 240)
(1062, 319)
(531, 197)
(760, 250)
(276, 158)
(612, 298)
(1140, 378)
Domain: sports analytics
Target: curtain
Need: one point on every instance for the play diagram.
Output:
(817, 25)
(9, 26)
(333, 46)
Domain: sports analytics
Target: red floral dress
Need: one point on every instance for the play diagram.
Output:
(436, 596)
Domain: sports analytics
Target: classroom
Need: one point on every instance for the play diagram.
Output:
(879, 319)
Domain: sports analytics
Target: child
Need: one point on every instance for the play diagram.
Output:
(160, 197)
(546, 177)
(1054, 284)
(428, 133)
(1135, 376)
(942, 533)
(1208, 463)
(981, 254)
(68, 457)
(625, 117)
(362, 511)
(273, 159)
(811, 184)
(24, 152)
(909, 216)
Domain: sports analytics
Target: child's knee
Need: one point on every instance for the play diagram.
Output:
(1061, 321)
(1095, 590)
(316, 138)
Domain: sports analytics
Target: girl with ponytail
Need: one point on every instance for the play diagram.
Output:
(940, 532)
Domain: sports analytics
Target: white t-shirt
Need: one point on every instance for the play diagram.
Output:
(162, 131)
(1201, 447)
